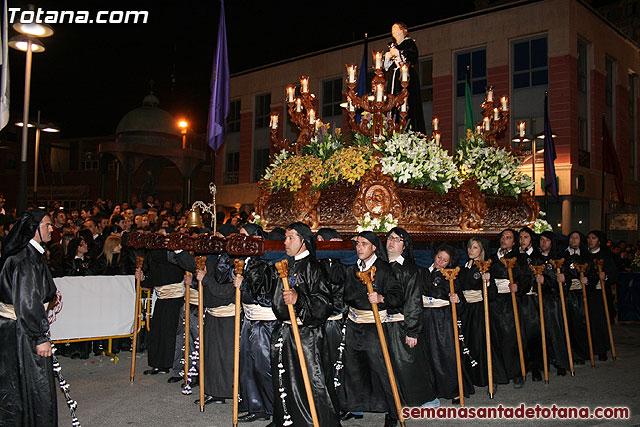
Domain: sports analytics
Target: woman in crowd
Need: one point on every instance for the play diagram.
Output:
(108, 263)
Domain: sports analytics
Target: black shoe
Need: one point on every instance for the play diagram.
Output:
(195, 382)
(390, 422)
(536, 376)
(455, 401)
(518, 382)
(602, 357)
(172, 380)
(250, 417)
(210, 399)
(561, 372)
(156, 371)
(351, 416)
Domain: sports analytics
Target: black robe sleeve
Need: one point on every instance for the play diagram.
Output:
(407, 276)
(311, 283)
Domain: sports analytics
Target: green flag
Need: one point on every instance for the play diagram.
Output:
(469, 122)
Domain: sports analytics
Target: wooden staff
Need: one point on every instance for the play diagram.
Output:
(366, 277)
(557, 263)
(538, 270)
(582, 268)
(450, 274)
(201, 262)
(239, 266)
(483, 266)
(136, 320)
(600, 263)
(187, 335)
(510, 263)
(283, 271)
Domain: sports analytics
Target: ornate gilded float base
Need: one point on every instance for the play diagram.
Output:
(457, 215)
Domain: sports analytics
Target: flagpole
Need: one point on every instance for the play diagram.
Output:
(602, 220)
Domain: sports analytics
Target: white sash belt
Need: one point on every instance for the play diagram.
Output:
(336, 317)
(503, 286)
(429, 302)
(365, 316)
(258, 312)
(298, 321)
(174, 290)
(473, 295)
(576, 285)
(222, 311)
(193, 296)
(397, 317)
(6, 310)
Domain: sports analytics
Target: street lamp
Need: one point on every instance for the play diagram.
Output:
(27, 42)
(183, 125)
(44, 127)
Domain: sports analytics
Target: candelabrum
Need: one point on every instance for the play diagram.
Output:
(495, 117)
(303, 115)
(379, 105)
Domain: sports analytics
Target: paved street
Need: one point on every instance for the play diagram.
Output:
(106, 398)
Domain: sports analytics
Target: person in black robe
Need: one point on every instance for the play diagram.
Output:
(167, 280)
(310, 295)
(576, 253)
(335, 324)
(504, 343)
(259, 280)
(552, 307)
(366, 381)
(403, 326)
(473, 322)
(437, 330)
(528, 304)
(405, 51)
(609, 276)
(27, 384)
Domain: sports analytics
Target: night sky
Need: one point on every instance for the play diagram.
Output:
(92, 74)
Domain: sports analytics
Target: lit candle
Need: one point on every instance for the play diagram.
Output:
(495, 114)
(478, 129)
(312, 117)
(437, 138)
(351, 74)
(405, 72)
(290, 92)
(298, 105)
(435, 123)
(351, 107)
(304, 81)
(521, 129)
(274, 121)
(403, 107)
(503, 101)
(379, 93)
(490, 94)
(378, 60)
(487, 123)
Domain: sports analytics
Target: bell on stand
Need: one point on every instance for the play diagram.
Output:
(194, 219)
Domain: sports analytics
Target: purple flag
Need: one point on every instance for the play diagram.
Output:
(219, 105)
(550, 182)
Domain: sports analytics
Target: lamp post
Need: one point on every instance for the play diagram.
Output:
(27, 42)
(50, 128)
(183, 125)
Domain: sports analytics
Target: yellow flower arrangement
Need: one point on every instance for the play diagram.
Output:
(349, 164)
(289, 173)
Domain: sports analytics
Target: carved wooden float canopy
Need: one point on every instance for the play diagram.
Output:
(457, 215)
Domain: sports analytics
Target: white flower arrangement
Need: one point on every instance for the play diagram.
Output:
(377, 224)
(540, 225)
(412, 158)
(277, 161)
(257, 220)
(495, 169)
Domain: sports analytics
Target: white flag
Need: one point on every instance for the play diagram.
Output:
(4, 72)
